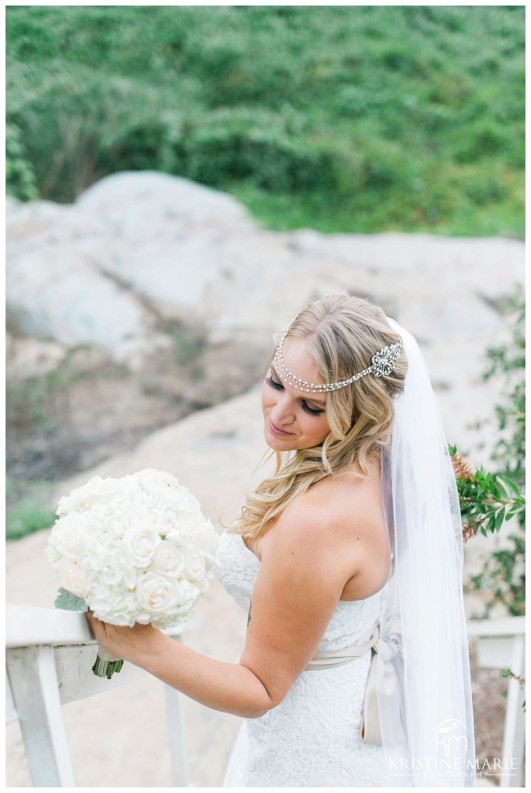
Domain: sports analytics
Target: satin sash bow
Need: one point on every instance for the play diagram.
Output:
(328, 659)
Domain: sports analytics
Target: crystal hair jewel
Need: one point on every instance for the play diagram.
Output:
(382, 363)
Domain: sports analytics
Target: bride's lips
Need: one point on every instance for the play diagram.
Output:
(277, 431)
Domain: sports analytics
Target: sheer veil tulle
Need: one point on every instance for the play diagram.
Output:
(423, 676)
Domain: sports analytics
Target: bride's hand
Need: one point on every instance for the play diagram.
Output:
(130, 644)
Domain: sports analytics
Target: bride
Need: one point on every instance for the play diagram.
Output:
(348, 563)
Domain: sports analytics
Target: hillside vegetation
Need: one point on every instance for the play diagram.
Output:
(364, 118)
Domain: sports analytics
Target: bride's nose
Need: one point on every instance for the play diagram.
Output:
(282, 412)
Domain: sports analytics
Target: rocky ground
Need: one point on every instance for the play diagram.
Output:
(152, 297)
(138, 320)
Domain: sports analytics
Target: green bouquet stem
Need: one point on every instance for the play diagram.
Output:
(106, 665)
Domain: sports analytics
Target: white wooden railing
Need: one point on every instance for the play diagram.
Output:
(501, 644)
(49, 657)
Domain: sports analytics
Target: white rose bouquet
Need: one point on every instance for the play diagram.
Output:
(133, 549)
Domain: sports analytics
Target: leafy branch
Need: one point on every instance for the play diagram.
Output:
(487, 500)
(519, 679)
(509, 673)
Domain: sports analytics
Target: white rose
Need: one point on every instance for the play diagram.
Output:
(161, 488)
(72, 577)
(96, 489)
(156, 593)
(107, 561)
(187, 596)
(114, 606)
(118, 573)
(68, 536)
(206, 538)
(152, 479)
(168, 558)
(140, 544)
(194, 567)
(178, 537)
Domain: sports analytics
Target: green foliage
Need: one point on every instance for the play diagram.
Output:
(188, 345)
(28, 508)
(33, 402)
(502, 578)
(340, 118)
(38, 418)
(487, 500)
(69, 602)
(20, 177)
(26, 518)
(42, 400)
(71, 123)
(510, 361)
(511, 675)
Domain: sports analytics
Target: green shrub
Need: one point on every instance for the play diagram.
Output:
(369, 118)
(20, 177)
(488, 500)
(227, 147)
(25, 518)
(75, 119)
(28, 507)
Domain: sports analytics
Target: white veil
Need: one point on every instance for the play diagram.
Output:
(423, 676)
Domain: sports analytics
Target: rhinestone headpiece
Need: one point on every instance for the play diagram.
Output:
(382, 363)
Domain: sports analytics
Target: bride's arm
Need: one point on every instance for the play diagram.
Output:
(223, 686)
(299, 584)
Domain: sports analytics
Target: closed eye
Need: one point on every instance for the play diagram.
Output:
(274, 383)
(311, 411)
(305, 406)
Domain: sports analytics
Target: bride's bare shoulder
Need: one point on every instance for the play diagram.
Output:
(338, 506)
(348, 493)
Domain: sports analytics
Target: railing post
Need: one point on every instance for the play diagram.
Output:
(513, 734)
(501, 644)
(49, 657)
(35, 691)
(176, 737)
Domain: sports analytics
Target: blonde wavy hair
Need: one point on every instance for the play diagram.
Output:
(343, 333)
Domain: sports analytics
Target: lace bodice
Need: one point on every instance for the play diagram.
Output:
(352, 622)
(311, 739)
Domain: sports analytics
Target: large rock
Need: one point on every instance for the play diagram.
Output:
(146, 203)
(156, 272)
(58, 295)
(139, 250)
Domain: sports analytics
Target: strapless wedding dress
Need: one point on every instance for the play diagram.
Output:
(312, 738)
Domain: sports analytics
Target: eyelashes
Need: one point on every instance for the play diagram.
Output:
(279, 387)
(311, 411)
(273, 383)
